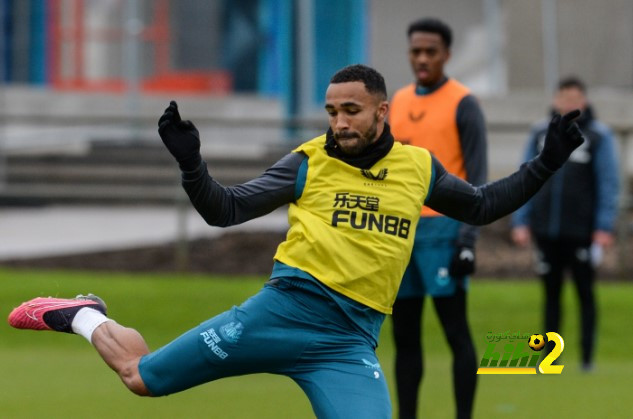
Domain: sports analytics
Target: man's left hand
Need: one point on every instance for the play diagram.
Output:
(562, 138)
(463, 262)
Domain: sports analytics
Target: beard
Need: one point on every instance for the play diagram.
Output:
(364, 139)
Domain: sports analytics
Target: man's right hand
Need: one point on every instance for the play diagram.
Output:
(180, 137)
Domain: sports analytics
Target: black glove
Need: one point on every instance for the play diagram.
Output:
(562, 138)
(463, 262)
(180, 137)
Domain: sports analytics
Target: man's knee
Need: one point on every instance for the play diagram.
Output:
(132, 379)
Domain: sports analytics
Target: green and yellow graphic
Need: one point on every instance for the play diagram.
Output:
(520, 354)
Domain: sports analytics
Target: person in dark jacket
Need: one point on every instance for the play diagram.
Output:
(571, 219)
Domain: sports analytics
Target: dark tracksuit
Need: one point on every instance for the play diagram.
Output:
(578, 200)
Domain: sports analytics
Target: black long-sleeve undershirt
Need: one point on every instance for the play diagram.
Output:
(471, 127)
(477, 205)
(225, 206)
(480, 205)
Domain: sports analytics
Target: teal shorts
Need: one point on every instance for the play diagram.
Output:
(433, 249)
(288, 328)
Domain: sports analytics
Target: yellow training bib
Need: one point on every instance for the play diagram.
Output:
(353, 229)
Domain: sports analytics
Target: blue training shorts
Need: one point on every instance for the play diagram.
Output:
(427, 272)
(289, 328)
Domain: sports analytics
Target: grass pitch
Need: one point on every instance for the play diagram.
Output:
(54, 375)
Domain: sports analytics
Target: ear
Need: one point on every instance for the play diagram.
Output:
(382, 110)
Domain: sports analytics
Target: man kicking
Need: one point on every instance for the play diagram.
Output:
(354, 197)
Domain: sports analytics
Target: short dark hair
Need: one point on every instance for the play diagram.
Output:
(572, 82)
(432, 25)
(374, 81)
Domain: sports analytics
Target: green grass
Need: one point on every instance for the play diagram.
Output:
(55, 375)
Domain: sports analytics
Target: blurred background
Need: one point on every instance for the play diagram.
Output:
(83, 173)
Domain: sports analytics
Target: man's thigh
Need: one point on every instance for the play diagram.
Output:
(254, 337)
(349, 388)
(427, 272)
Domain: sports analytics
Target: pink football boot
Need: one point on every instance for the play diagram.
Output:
(52, 313)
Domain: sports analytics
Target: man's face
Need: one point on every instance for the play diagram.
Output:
(427, 54)
(356, 116)
(569, 99)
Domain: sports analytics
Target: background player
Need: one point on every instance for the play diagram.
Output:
(439, 114)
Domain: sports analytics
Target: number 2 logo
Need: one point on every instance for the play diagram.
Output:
(546, 367)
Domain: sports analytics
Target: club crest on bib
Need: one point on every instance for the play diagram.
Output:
(382, 174)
